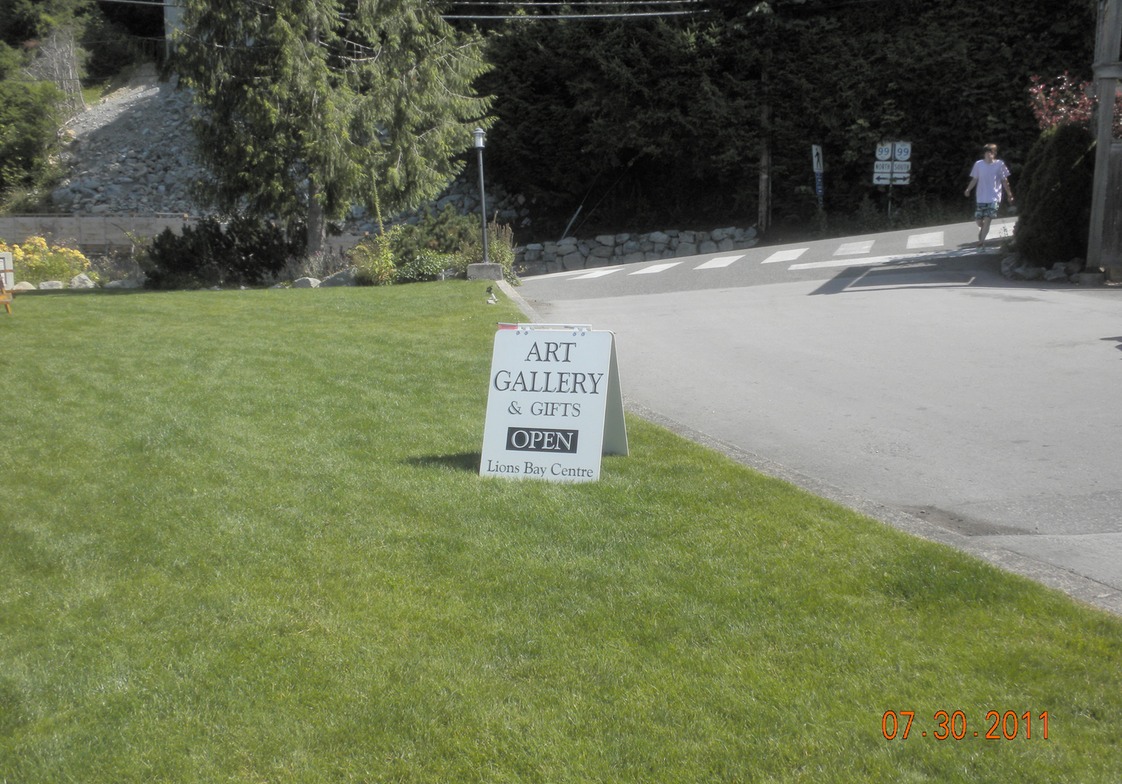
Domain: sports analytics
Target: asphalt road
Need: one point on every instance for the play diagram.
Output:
(899, 374)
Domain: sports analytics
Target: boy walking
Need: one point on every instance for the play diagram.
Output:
(988, 179)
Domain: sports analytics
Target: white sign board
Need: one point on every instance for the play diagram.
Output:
(554, 406)
(816, 158)
(7, 271)
(893, 165)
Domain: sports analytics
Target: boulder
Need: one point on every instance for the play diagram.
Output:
(344, 277)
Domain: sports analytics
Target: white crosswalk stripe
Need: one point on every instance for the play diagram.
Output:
(932, 239)
(866, 261)
(596, 274)
(785, 255)
(656, 268)
(854, 248)
(719, 262)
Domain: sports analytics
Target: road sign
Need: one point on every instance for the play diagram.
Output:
(816, 158)
(893, 165)
(889, 178)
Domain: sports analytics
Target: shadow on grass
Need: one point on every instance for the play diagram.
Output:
(464, 461)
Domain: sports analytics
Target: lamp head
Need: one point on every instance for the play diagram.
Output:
(478, 134)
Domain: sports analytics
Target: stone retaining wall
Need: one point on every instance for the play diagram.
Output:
(611, 249)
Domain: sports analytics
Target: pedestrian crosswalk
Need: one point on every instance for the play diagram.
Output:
(848, 253)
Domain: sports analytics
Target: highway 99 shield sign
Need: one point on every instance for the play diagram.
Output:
(554, 406)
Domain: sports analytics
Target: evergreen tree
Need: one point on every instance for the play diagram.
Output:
(308, 107)
(22, 20)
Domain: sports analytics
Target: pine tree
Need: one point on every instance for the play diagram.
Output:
(309, 107)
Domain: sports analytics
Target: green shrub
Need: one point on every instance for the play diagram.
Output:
(446, 231)
(501, 249)
(1055, 196)
(373, 259)
(427, 265)
(246, 252)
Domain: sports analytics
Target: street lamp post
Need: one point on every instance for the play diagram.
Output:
(479, 135)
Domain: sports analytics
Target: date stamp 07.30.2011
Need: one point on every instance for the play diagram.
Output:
(954, 725)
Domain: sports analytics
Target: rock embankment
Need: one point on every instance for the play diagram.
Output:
(131, 153)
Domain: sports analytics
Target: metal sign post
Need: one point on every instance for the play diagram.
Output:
(893, 166)
(819, 168)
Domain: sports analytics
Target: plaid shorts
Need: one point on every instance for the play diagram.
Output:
(985, 209)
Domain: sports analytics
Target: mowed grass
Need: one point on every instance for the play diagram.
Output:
(242, 539)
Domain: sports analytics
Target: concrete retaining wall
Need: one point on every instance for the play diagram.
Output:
(104, 234)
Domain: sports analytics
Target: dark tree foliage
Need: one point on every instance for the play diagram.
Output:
(141, 20)
(22, 21)
(28, 119)
(246, 252)
(604, 115)
(1055, 196)
(646, 121)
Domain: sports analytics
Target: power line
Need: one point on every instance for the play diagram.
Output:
(531, 4)
(632, 11)
(543, 17)
(544, 3)
(137, 2)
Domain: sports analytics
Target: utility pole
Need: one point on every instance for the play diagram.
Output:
(1104, 241)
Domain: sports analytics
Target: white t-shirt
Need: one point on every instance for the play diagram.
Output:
(989, 177)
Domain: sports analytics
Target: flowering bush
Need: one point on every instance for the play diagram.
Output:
(35, 261)
(1066, 101)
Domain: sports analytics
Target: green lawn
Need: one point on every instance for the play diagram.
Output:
(242, 539)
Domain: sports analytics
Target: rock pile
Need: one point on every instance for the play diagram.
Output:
(1014, 267)
(131, 153)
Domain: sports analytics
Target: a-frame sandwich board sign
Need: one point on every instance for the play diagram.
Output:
(554, 405)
